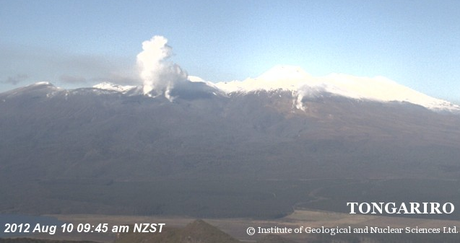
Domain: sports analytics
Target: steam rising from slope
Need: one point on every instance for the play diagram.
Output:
(162, 77)
(303, 85)
(157, 73)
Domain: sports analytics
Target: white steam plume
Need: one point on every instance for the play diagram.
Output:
(157, 73)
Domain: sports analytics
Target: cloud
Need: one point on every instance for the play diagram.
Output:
(63, 67)
(152, 68)
(124, 79)
(14, 80)
(158, 74)
(73, 79)
(111, 78)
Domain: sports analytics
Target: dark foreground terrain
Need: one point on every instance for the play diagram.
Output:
(30, 240)
(200, 231)
(212, 198)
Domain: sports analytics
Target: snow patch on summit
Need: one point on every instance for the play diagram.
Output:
(302, 84)
(286, 78)
(114, 87)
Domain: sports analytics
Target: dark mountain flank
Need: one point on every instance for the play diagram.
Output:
(92, 151)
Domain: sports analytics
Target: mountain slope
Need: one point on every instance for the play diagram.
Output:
(210, 154)
(53, 132)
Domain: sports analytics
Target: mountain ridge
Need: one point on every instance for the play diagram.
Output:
(300, 84)
(287, 78)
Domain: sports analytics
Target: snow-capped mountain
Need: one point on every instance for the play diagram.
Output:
(115, 87)
(301, 84)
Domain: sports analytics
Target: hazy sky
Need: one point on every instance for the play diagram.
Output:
(80, 43)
